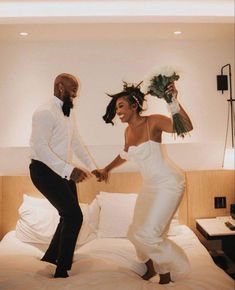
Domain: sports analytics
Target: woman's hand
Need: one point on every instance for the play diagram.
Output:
(171, 90)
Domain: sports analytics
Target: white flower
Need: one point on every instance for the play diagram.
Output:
(167, 71)
(164, 71)
(144, 87)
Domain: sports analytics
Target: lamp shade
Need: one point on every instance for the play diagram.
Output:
(229, 159)
(222, 83)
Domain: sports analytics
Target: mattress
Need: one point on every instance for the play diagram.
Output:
(104, 264)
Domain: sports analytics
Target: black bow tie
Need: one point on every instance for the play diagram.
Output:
(66, 109)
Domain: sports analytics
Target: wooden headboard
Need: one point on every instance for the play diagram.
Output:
(198, 201)
(13, 188)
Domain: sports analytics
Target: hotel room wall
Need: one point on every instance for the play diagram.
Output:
(28, 69)
(203, 187)
(1, 206)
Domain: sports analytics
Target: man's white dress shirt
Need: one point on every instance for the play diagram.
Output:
(55, 138)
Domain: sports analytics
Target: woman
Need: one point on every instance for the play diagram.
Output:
(163, 184)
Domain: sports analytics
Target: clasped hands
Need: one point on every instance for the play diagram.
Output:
(101, 174)
(79, 175)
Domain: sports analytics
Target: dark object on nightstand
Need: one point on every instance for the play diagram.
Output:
(230, 226)
(232, 210)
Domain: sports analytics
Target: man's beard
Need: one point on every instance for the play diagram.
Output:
(67, 104)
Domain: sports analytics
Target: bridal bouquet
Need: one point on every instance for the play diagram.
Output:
(156, 85)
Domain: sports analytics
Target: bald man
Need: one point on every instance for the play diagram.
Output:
(53, 139)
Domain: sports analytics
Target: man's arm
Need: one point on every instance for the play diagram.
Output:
(81, 151)
(42, 128)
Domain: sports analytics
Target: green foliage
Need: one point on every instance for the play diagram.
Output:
(159, 84)
(180, 125)
(157, 87)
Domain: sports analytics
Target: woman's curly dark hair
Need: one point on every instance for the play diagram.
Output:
(133, 95)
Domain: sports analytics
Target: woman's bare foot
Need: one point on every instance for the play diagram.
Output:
(165, 278)
(150, 270)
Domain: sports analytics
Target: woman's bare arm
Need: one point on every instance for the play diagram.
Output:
(166, 124)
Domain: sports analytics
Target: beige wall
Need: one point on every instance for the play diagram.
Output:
(0, 206)
(102, 57)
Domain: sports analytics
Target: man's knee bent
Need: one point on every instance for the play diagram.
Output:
(73, 216)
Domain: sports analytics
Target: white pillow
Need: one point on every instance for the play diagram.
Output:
(116, 213)
(89, 228)
(94, 213)
(91, 225)
(38, 221)
(174, 228)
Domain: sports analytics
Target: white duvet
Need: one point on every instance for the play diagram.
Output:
(104, 264)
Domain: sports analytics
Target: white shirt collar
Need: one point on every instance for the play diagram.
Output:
(58, 101)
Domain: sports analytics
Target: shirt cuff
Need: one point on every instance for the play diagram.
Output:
(123, 155)
(67, 171)
(93, 167)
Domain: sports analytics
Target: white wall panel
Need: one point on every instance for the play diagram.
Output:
(28, 69)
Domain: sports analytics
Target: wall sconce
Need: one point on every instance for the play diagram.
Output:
(222, 85)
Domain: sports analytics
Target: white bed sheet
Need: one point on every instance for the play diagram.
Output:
(104, 264)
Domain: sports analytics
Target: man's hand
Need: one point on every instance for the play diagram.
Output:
(78, 175)
(101, 174)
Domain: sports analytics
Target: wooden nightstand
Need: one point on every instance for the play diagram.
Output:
(215, 229)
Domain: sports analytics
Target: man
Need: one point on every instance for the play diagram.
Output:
(54, 137)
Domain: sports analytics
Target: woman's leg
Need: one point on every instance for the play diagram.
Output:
(153, 213)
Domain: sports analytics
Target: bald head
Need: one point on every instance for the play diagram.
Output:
(63, 82)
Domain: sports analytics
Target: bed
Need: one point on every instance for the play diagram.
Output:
(104, 258)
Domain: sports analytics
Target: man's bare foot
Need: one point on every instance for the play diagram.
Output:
(165, 278)
(150, 270)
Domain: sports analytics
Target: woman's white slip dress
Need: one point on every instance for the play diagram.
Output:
(162, 191)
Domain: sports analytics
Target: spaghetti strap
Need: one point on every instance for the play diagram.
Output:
(125, 135)
(147, 125)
